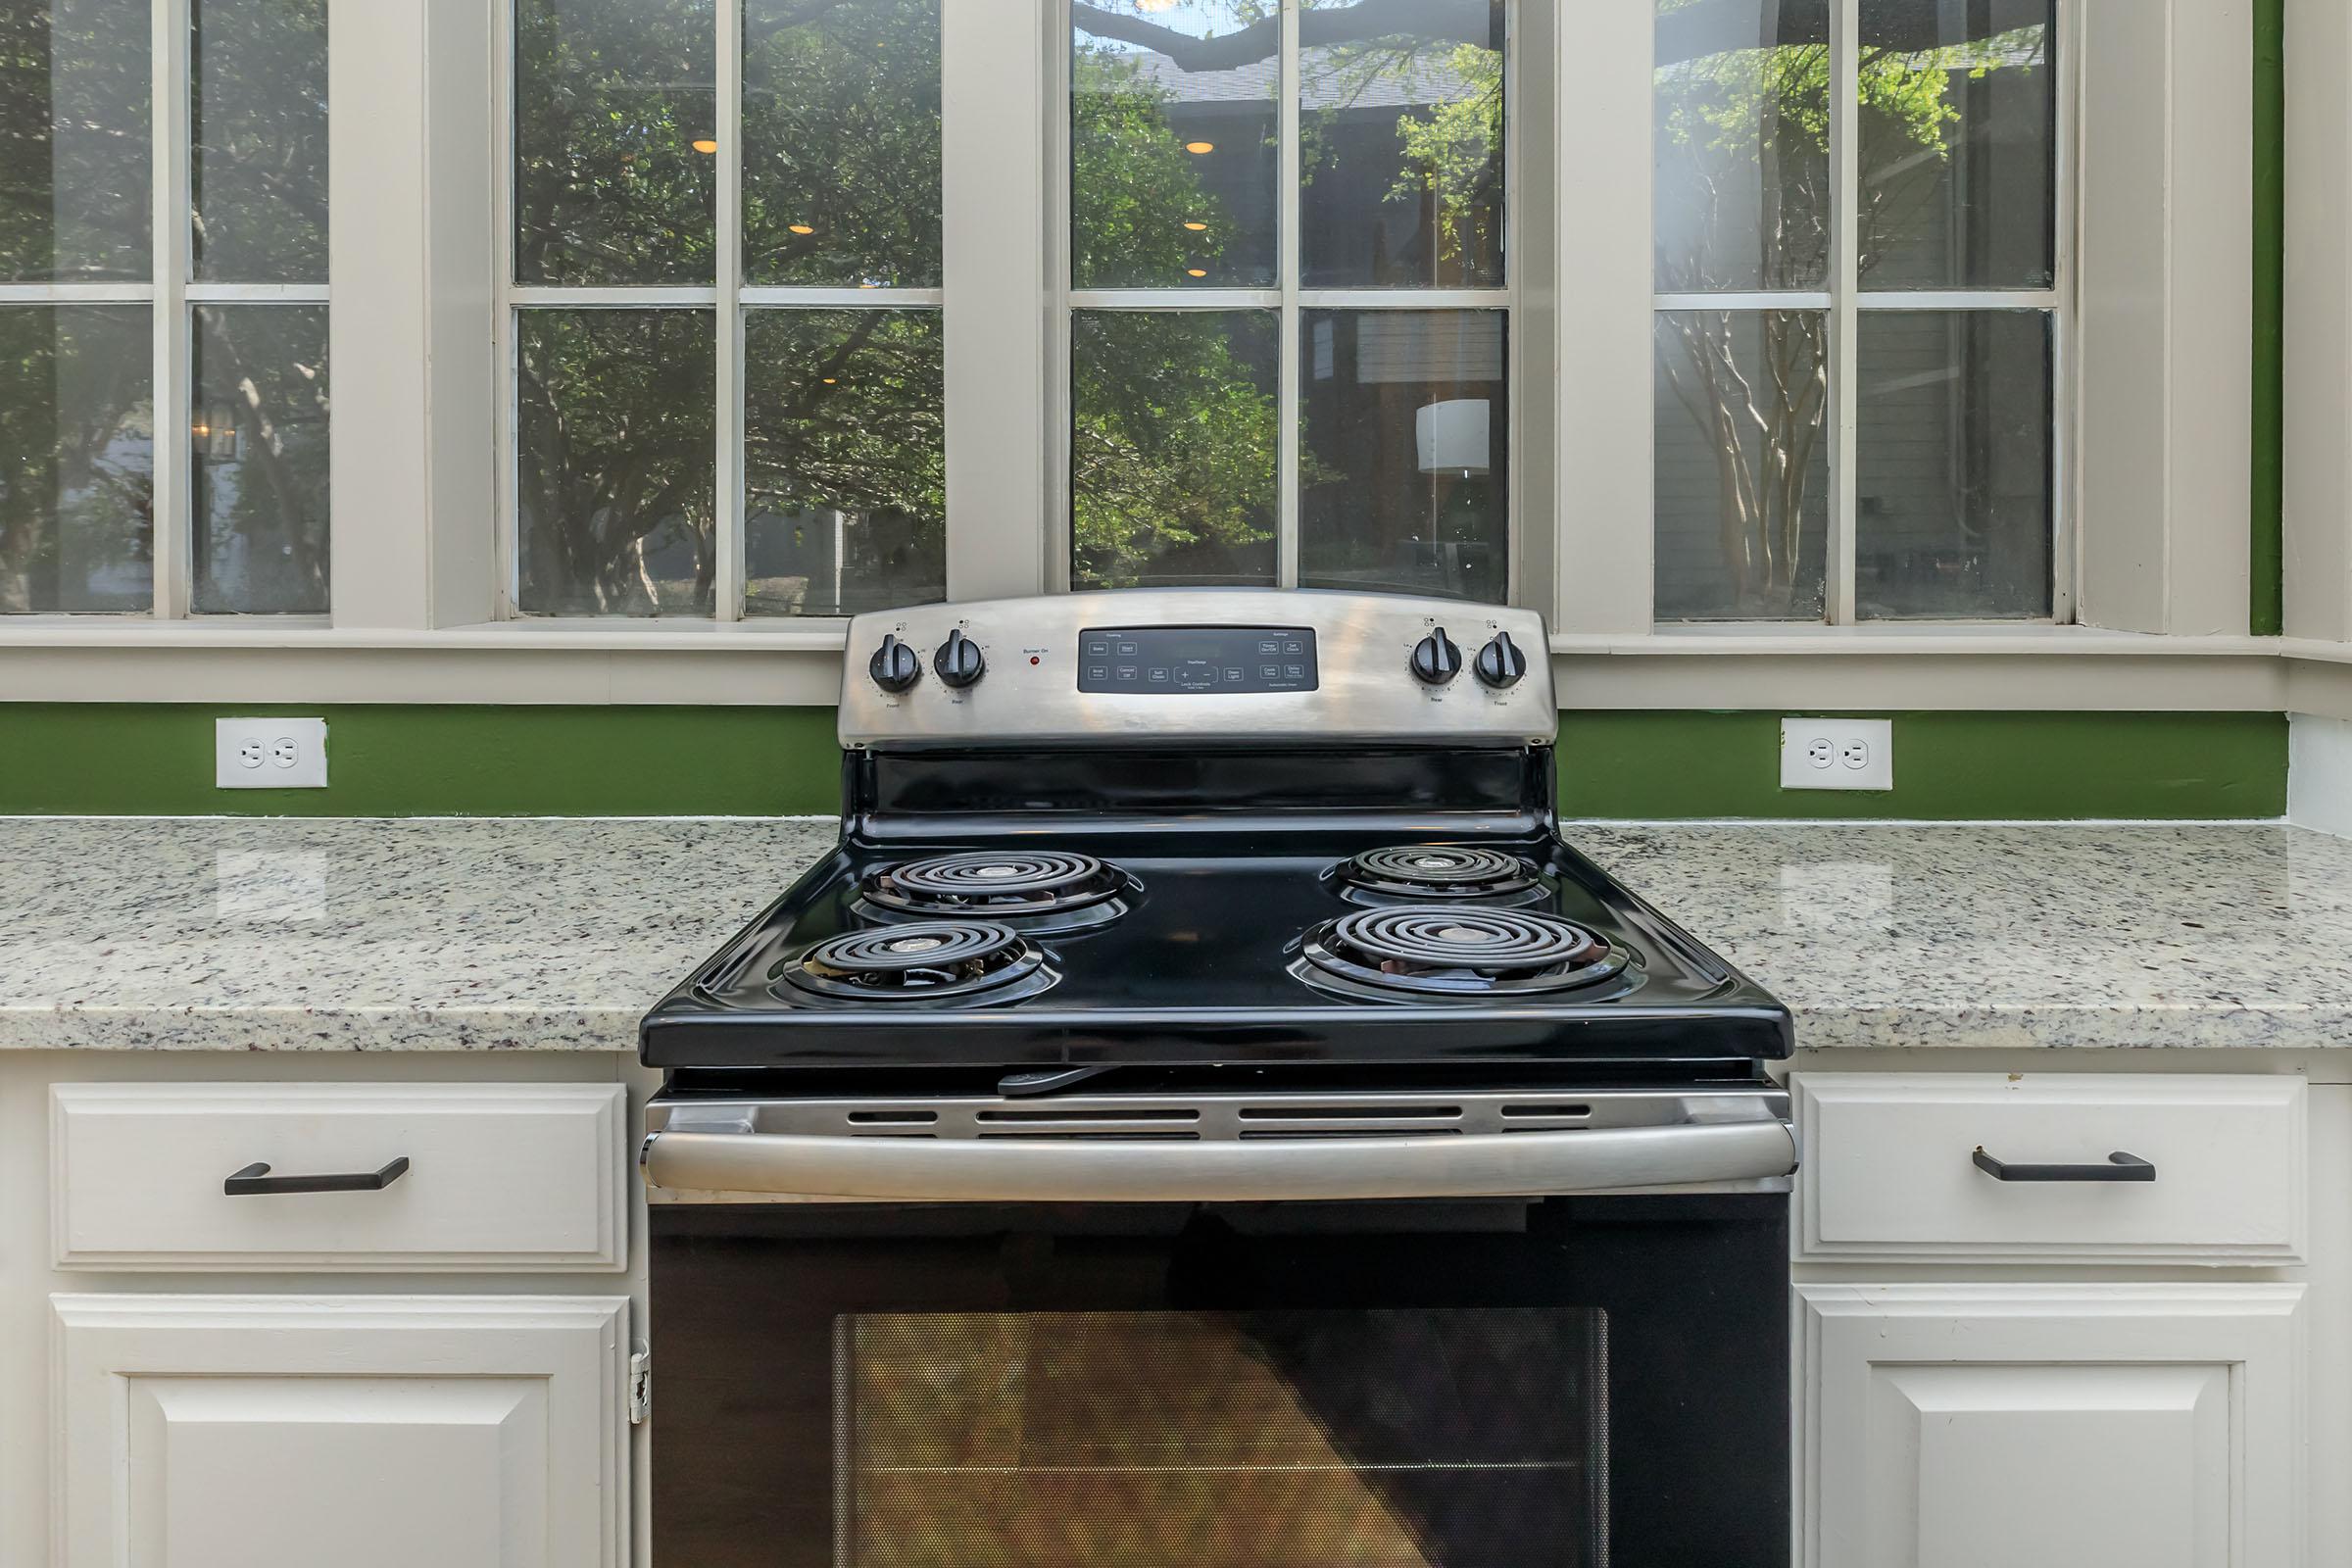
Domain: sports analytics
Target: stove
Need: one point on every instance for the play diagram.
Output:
(1175, 942)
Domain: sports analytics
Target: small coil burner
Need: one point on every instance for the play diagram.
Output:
(1038, 890)
(936, 962)
(1466, 954)
(1421, 872)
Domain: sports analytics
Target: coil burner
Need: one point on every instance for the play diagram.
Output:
(1469, 954)
(1032, 889)
(939, 962)
(1422, 873)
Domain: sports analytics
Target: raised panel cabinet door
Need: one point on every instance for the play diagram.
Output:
(2055, 1426)
(363, 1431)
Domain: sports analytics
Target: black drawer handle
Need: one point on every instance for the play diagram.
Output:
(256, 1178)
(2120, 1167)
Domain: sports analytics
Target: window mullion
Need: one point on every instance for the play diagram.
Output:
(1846, 275)
(169, 543)
(1291, 391)
(727, 530)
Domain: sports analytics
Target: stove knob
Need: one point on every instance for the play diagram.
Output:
(1436, 660)
(1499, 663)
(895, 667)
(959, 660)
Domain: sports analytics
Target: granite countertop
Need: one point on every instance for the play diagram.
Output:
(556, 935)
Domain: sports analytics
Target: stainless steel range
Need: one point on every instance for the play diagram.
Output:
(1201, 1113)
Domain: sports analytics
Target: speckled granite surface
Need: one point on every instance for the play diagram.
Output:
(432, 935)
(285, 935)
(2046, 934)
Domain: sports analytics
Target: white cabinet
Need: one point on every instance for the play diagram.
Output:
(365, 1432)
(2049, 1426)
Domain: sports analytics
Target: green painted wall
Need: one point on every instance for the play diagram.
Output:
(2023, 765)
(2265, 608)
(404, 759)
(429, 760)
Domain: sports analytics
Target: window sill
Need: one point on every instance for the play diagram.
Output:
(591, 662)
(586, 635)
(1912, 639)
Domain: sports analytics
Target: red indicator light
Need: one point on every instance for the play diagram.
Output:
(1033, 658)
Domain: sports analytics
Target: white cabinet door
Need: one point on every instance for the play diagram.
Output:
(365, 1432)
(2049, 1426)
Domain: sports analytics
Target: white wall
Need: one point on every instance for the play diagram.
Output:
(2318, 773)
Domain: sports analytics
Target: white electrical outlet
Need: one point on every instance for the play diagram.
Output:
(1837, 754)
(270, 754)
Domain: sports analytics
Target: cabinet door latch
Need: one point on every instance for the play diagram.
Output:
(640, 1386)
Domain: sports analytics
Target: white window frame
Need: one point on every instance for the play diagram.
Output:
(2160, 449)
(1845, 301)
(171, 294)
(729, 296)
(1288, 300)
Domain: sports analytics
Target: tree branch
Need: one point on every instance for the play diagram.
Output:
(1433, 21)
(1706, 27)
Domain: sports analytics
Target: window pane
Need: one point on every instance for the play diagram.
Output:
(75, 200)
(257, 444)
(617, 436)
(844, 461)
(1742, 157)
(1173, 441)
(76, 458)
(1957, 131)
(258, 169)
(615, 143)
(841, 143)
(1953, 464)
(1405, 466)
(1174, 128)
(1400, 132)
(1742, 469)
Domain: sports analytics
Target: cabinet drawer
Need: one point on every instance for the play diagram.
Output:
(1889, 1170)
(499, 1176)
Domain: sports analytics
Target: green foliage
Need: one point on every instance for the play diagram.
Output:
(840, 138)
(1174, 436)
(1132, 184)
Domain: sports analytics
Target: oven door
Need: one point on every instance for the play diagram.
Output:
(1459, 1382)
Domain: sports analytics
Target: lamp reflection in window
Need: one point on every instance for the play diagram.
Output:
(215, 434)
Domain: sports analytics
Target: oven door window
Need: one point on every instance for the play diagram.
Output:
(1385, 1437)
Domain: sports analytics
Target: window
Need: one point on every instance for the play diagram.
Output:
(723, 308)
(163, 308)
(1289, 327)
(1861, 277)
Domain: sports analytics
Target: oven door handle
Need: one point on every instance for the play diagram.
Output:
(1270, 1170)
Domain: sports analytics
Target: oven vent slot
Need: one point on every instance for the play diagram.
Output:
(1150, 1114)
(1297, 1134)
(1097, 1135)
(907, 1117)
(1557, 1109)
(1362, 1112)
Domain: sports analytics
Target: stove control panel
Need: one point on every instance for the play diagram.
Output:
(1282, 665)
(1184, 660)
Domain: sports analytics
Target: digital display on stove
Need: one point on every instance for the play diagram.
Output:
(1172, 661)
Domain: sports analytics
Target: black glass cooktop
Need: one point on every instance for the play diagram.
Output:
(1086, 942)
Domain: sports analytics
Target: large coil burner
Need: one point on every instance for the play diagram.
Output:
(1428, 873)
(939, 963)
(1032, 889)
(1469, 954)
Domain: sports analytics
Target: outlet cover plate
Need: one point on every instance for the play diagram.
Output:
(270, 754)
(1837, 754)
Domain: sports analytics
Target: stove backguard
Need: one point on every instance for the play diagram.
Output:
(1565, 1383)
